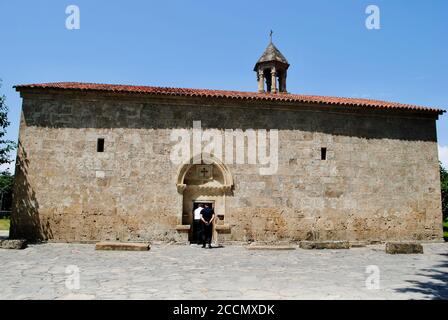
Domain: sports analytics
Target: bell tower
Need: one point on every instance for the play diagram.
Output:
(271, 70)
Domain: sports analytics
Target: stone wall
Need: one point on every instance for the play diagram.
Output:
(380, 180)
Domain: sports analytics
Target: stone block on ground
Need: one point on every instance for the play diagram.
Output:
(183, 230)
(358, 244)
(324, 245)
(13, 244)
(123, 246)
(403, 247)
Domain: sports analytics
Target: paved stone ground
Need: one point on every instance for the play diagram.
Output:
(233, 272)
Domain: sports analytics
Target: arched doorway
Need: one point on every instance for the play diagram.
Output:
(207, 182)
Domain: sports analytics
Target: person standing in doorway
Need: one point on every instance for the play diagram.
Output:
(197, 224)
(207, 217)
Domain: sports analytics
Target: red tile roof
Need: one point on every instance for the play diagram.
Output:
(283, 97)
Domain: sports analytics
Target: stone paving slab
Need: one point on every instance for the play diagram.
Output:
(47, 271)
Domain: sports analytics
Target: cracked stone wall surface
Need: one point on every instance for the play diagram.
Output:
(380, 180)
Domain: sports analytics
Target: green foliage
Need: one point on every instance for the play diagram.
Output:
(444, 185)
(6, 146)
(6, 182)
(6, 185)
(4, 224)
(445, 230)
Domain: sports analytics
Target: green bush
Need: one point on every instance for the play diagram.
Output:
(4, 224)
(444, 185)
(6, 184)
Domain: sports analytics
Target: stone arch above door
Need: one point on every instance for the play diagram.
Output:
(225, 185)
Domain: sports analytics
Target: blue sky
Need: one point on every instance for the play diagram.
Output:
(211, 44)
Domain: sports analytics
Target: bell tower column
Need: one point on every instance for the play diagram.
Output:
(260, 78)
(274, 80)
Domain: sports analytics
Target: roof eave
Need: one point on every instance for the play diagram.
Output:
(231, 95)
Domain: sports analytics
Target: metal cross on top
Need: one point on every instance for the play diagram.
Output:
(270, 35)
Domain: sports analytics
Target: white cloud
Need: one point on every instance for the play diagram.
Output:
(443, 155)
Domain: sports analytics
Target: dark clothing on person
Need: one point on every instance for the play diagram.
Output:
(207, 214)
(207, 234)
(197, 229)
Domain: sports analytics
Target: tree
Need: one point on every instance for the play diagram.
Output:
(6, 184)
(6, 146)
(444, 186)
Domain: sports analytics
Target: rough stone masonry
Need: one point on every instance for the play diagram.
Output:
(94, 164)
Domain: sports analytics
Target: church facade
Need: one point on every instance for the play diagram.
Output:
(99, 162)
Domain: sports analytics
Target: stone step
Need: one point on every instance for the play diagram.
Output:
(13, 244)
(324, 245)
(123, 246)
(403, 247)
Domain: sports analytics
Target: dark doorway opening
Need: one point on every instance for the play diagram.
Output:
(196, 234)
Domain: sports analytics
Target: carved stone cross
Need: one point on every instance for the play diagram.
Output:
(204, 172)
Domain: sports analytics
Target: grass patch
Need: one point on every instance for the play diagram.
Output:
(4, 224)
(445, 230)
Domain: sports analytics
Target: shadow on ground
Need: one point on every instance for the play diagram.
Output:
(435, 286)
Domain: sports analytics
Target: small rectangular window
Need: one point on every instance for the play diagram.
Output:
(100, 145)
(323, 153)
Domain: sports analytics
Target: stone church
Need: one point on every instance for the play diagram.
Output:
(95, 162)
